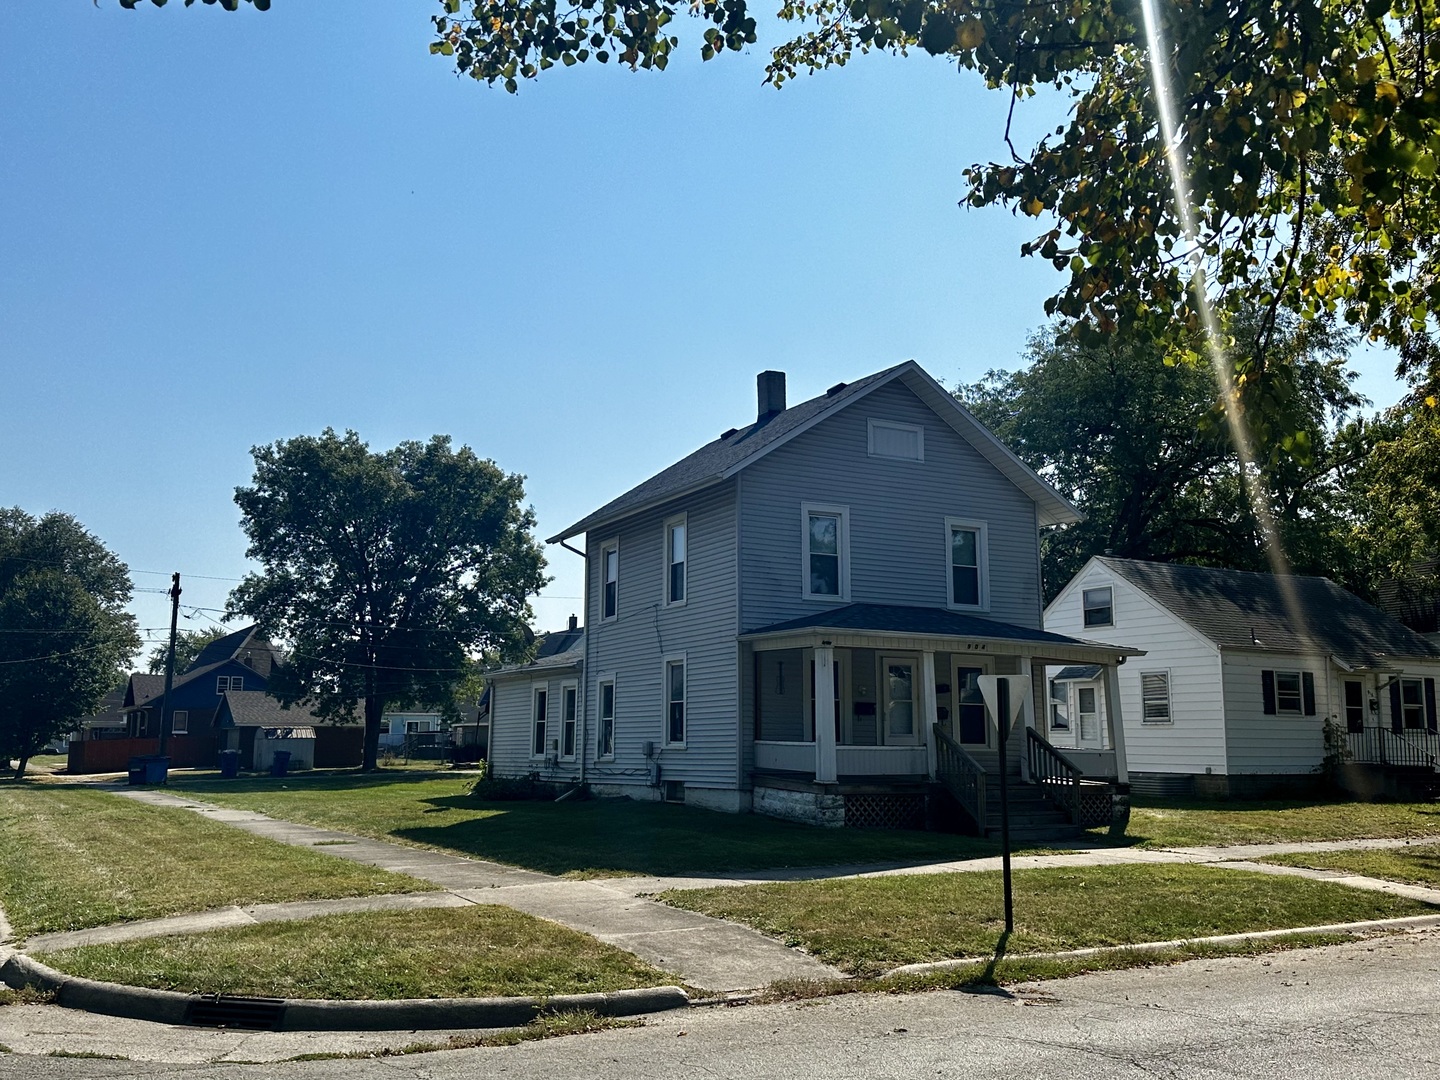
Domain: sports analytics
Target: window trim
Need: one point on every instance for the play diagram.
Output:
(894, 425)
(842, 534)
(982, 562)
(613, 544)
(601, 682)
(1351, 725)
(573, 687)
(1299, 710)
(1085, 622)
(180, 722)
(1418, 706)
(223, 683)
(1169, 698)
(665, 664)
(683, 520)
(537, 721)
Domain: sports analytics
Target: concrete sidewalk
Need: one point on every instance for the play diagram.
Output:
(709, 954)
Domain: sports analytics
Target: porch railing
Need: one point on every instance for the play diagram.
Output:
(962, 776)
(1381, 745)
(1057, 775)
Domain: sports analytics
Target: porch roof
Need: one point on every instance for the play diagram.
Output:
(929, 622)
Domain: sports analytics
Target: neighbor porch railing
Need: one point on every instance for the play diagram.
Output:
(1088, 803)
(1408, 748)
(961, 775)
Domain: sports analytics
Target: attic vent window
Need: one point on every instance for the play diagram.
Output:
(902, 442)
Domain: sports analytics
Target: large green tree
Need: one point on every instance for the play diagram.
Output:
(385, 572)
(1140, 446)
(65, 636)
(188, 644)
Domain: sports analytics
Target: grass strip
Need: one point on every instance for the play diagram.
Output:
(545, 1026)
(27, 995)
(480, 951)
(866, 926)
(1414, 865)
(1198, 823)
(72, 858)
(594, 838)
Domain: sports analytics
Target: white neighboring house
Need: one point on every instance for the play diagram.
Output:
(397, 726)
(1241, 672)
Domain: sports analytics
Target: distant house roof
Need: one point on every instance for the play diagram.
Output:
(142, 688)
(1244, 610)
(256, 708)
(922, 622)
(556, 651)
(733, 451)
(247, 645)
(1078, 673)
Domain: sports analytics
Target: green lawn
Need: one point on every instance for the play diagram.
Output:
(869, 925)
(1202, 824)
(449, 952)
(74, 857)
(593, 838)
(1418, 864)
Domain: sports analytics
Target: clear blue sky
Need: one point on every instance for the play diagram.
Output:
(217, 230)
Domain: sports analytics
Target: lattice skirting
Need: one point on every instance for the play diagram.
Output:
(885, 811)
(1096, 805)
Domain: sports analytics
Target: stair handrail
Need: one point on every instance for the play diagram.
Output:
(962, 776)
(1056, 774)
(1419, 753)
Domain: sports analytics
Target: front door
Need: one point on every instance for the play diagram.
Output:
(1089, 714)
(970, 726)
(899, 686)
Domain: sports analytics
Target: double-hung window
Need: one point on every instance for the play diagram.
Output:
(1288, 696)
(605, 737)
(826, 540)
(540, 708)
(180, 722)
(1099, 606)
(569, 693)
(675, 560)
(610, 579)
(674, 702)
(1155, 697)
(1288, 693)
(1412, 703)
(967, 547)
(229, 682)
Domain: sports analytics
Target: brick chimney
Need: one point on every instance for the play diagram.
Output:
(574, 623)
(770, 394)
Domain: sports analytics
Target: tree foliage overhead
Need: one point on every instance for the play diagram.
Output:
(65, 636)
(1141, 447)
(188, 644)
(386, 572)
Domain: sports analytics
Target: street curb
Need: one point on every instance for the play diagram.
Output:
(1410, 922)
(298, 1014)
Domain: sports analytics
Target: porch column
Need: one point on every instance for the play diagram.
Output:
(929, 708)
(1115, 722)
(1027, 716)
(824, 714)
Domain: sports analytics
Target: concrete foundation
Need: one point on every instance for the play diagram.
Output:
(810, 807)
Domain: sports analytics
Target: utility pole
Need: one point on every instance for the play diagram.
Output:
(167, 711)
(1002, 698)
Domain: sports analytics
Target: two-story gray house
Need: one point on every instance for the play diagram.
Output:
(875, 541)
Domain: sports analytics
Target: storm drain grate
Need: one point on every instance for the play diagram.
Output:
(247, 1013)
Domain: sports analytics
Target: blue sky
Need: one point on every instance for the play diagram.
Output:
(217, 230)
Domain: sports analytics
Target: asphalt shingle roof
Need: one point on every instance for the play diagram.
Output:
(221, 649)
(1078, 672)
(561, 649)
(256, 708)
(921, 622)
(1243, 610)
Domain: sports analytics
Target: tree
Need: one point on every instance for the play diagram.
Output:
(1140, 447)
(65, 636)
(384, 571)
(188, 644)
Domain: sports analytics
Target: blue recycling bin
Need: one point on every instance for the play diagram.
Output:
(148, 769)
(280, 764)
(229, 764)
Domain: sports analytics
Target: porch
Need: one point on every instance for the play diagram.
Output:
(905, 714)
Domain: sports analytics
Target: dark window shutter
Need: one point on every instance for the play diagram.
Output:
(1397, 717)
(1267, 686)
(1307, 688)
(1430, 704)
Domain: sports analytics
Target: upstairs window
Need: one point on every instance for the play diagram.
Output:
(609, 579)
(968, 545)
(1155, 697)
(675, 701)
(675, 560)
(229, 682)
(903, 442)
(826, 559)
(1099, 607)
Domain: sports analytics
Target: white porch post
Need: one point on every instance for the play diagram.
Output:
(1115, 722)
(825, 714)
(929, 708)
(1027, 716)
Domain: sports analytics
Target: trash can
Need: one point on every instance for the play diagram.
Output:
(148, 769)
(280, 764)
(229, 764)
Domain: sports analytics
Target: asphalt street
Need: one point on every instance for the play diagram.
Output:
(1366, 1009)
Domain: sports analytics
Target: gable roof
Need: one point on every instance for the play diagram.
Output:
(558, 650)
(724, 457)
(256, 708)
(145, 688)
(247, 645)
(1239, 609)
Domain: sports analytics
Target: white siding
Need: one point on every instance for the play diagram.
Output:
(510, 726)
(1284, 743)
(1194, 740)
